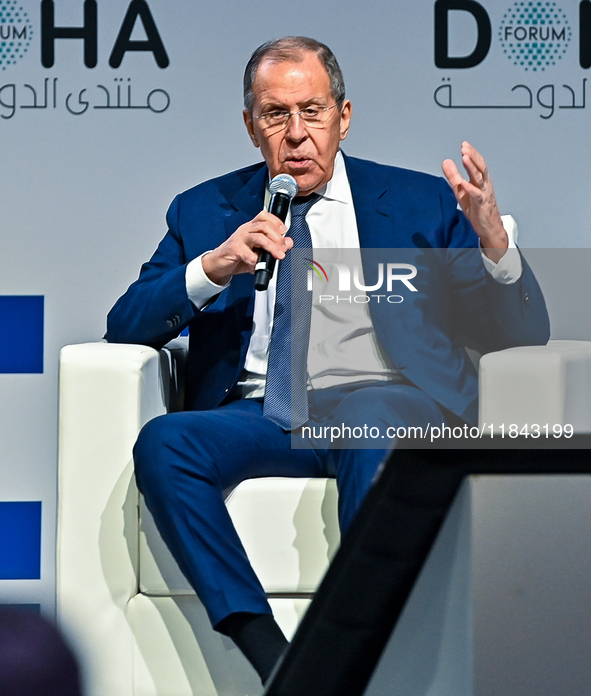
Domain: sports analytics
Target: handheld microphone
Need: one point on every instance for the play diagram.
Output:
(283, 188)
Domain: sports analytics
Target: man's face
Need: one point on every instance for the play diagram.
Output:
(304, 152)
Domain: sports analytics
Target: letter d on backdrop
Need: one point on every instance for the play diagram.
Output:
(483, 34)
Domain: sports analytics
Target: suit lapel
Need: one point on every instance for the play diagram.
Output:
(373, 205)
(244, 205)
(248, 201)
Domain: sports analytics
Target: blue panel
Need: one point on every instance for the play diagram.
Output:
(185, 331)
(20, 541)
(35, 608)
(21, 334)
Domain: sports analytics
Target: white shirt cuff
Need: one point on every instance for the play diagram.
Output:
(200, 288)
(508, 270)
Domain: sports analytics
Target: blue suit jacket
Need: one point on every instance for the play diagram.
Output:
(458, 303)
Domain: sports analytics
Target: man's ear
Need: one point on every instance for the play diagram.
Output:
(346, 112)
(249, 123)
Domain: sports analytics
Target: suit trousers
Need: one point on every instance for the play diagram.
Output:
(184, 462)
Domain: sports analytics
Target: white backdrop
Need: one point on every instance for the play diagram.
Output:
(83, 197)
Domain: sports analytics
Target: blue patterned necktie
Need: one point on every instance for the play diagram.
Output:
(285, 406)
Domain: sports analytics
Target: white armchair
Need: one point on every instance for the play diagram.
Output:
(139, 626)
(140, 629)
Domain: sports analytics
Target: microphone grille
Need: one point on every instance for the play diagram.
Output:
(284, 183)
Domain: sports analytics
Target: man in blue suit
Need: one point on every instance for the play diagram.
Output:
(368, 365)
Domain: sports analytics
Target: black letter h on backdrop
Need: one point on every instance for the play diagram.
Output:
(49, 33)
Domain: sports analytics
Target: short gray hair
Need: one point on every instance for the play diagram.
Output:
(290, 48)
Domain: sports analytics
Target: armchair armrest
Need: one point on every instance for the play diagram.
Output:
(537, 385)
(107, 393)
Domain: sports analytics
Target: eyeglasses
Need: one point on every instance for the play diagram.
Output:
(313, 116)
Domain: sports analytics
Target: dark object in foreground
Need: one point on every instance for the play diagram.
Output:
(34, 658)
(340, 640)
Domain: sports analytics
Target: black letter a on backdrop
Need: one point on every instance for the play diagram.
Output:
(442, 57)
(153, 43)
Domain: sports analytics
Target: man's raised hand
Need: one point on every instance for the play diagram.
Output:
(476, 197)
